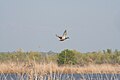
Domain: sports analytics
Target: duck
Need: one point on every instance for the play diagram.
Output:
(63, 37)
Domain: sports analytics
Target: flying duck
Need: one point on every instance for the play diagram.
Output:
(63, 37)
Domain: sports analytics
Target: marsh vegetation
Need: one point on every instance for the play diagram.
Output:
(66, 62)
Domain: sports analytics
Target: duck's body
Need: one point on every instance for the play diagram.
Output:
(63, 37)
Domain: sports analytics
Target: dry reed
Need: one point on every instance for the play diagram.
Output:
(48, 68)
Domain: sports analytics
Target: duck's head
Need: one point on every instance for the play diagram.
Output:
(67, 38)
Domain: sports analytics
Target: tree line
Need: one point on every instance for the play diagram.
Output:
(65, 57)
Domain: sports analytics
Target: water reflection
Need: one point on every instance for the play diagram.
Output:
(61, 77)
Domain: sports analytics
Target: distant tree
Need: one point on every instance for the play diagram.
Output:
(67, 57)
(104, 51)
(109, 51)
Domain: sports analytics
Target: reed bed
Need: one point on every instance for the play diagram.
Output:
(47, 68)
(37, 66)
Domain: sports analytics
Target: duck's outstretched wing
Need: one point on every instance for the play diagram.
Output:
(58, 36)
(65, 33)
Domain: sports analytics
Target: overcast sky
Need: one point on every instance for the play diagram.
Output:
(92, 25)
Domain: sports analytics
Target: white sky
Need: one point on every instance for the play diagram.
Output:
(92, 25)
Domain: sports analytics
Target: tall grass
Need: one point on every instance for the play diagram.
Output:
(45, 66)
(51, 70)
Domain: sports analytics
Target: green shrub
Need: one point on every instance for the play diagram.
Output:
(67, 57)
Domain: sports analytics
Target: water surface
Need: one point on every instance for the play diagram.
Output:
(61, 77)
